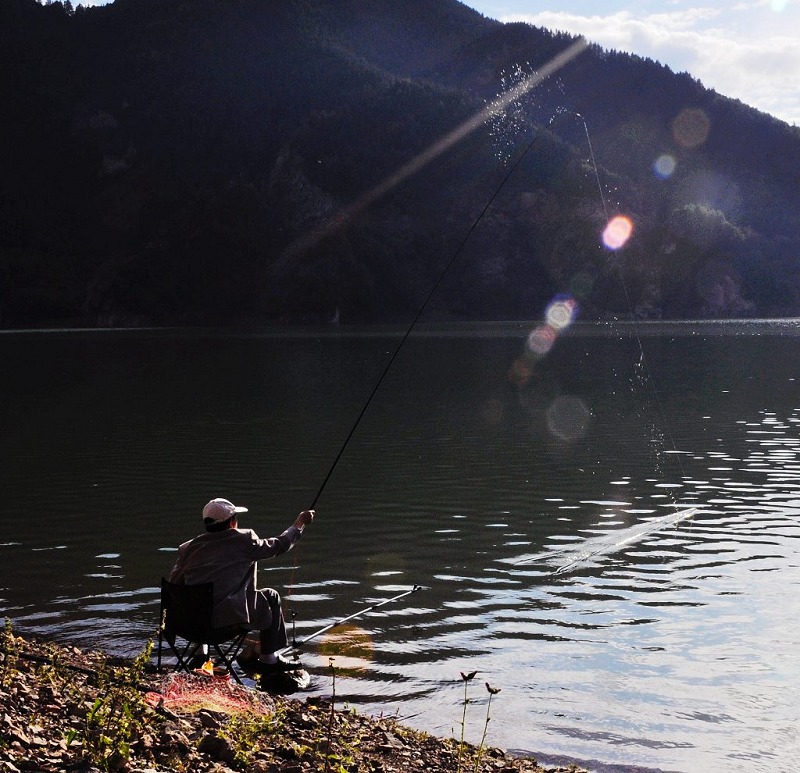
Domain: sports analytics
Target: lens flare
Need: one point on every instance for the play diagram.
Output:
(568, 418)
(351, 646)
(560, 313)
(690, 127)
(617, 232)
(664, 166)
(581, 284)
(519, 373)
(541, 340)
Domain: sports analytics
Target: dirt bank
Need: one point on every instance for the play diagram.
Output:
(62, 709)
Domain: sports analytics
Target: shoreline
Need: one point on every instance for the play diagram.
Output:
(65, 709)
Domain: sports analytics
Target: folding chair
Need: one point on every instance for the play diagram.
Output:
(186, 614)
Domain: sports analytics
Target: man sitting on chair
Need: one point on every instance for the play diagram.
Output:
(226, 555)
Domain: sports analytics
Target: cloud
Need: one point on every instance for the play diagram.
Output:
(744, 52)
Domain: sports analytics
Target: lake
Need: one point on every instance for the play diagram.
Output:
(605, 524)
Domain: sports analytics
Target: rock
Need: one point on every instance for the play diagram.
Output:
(208, 720)
(173, 735)
(263, 766)
(392, 741)
(217, 748)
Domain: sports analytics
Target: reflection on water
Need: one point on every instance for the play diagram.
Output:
(558, 564)
(582, 551)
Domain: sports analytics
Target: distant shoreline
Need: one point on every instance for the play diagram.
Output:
(482, 329)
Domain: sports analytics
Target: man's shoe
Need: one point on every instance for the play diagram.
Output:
(284, 682)
(280, 666)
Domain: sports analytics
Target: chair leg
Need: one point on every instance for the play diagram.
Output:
(230, 665)
(183, 654)
(227, 652)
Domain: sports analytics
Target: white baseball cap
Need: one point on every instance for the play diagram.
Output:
(219, 510)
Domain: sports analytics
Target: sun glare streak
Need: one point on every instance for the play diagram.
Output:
(436, 149)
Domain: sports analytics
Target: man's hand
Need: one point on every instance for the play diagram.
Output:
(304, 519)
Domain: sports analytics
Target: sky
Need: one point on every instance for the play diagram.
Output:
(745, 49)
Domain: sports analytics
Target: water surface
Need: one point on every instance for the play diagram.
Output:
(476, 472)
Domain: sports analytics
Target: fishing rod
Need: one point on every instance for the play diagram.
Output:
(297, 644)
(539, 134)
(498, 105)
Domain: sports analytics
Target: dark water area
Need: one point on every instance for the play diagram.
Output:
(608, 531)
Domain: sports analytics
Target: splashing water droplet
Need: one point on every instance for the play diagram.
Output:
(506, 125)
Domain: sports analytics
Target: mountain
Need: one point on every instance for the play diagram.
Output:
(238, 161)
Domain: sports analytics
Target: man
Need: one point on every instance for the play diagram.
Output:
(226, 555)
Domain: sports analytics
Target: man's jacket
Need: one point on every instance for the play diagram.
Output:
(228, 559)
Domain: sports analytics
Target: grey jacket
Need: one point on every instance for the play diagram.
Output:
(228, 559)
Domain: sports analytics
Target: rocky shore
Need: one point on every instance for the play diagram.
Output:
(62, 709)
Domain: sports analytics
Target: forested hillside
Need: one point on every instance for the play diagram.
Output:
(231, 161)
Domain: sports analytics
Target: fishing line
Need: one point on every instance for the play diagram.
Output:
(614, 541)
(594, 165)
(643, 362)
